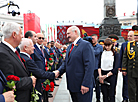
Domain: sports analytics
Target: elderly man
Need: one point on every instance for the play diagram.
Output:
(125, 78)
(11, 62)
(79, 66)
(27, 48)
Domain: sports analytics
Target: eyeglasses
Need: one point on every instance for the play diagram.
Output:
(41, 38)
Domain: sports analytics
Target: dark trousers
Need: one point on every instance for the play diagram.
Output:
(125, 88)
(108, 91)
(133, 89)
(97, 87)
(78, 97)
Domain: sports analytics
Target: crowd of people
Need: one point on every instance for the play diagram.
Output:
(89, 65)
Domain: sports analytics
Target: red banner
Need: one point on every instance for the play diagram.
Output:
(61, 32)
(31, 22)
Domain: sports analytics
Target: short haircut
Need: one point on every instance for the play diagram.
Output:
(94, 35)
(75, 28)
(48, 43)
(25, 42)
(9, 28)
(28, 34)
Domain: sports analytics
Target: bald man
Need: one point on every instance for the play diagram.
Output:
(130, 37)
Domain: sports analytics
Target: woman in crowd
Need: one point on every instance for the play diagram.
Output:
(107, 70)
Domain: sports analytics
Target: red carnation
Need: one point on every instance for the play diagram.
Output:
(12, 77)
(50, 59)
(47, 88)
(64, 51)
(46, 68)
(52, 84)
(61, 55)
(51, 89)
(51, 53)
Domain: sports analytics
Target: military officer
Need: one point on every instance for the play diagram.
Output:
(130, 66)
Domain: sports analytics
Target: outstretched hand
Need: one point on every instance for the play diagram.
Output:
(56, 73)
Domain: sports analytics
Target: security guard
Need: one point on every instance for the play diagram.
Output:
(130, 66)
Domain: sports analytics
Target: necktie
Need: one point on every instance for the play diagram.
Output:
(30, 57)
(71, 48)
(16, 52)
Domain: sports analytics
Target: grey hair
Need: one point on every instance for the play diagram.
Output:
(24, 42)
(9, 28)
(75, 28)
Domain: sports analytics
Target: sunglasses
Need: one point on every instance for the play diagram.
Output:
(41, 38)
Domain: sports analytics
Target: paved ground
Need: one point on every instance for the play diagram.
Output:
(61, 93)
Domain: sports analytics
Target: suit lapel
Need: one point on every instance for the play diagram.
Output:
(74, 48)
(38, 50)
(15, 56)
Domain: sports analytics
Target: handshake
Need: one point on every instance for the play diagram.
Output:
(56, 73)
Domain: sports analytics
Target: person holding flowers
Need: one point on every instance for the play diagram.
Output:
(26, 49)
(6, 96)
(11, 63)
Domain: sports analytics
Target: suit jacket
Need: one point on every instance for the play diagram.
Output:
(130, 62)
(123, 46)
(79, 66)
(10, 64)
(39, 53)
(47, 55)
(3, 82)
(36, 71)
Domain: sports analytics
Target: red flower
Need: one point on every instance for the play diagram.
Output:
(47, 87)
(64, 51)
(51, 89)
(51, 53)
(52, 84)
(12, 77)
(50, 59)
(61, 55)
(46, 68)
(46, 64)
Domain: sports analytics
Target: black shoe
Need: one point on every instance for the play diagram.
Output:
(56, 79)
(50, 95)
(59, 77)
(56, 85)
(125, 101)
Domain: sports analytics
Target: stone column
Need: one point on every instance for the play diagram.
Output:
(110, 23)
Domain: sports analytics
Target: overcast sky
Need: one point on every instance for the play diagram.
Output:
(51, 11)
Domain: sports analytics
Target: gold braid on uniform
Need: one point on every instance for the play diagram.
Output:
(128, 51)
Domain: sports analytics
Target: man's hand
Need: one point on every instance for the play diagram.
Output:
(9, 96)
(84, 89)
(51, 63)
(124, 73)
(56, 73)
(34, 80)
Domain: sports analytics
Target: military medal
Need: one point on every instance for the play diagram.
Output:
(131, 51)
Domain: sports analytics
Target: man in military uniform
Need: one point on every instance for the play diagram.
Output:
(130, 66)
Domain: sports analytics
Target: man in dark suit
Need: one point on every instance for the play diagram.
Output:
(79, 66)
(11, 63)
(125, 78)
